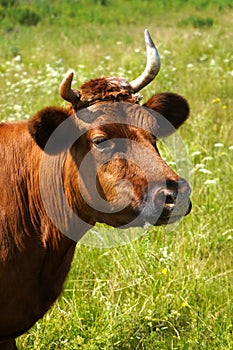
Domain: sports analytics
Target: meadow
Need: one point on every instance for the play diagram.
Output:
(169, 289)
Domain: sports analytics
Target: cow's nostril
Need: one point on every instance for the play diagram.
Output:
(170, 198)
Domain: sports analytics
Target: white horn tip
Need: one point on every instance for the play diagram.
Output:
(148, 39)
(152, 65)
(70, 73)
(153, 49)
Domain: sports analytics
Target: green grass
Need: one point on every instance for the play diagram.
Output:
(167, 290)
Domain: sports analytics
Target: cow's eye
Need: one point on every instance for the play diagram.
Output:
(98, 140)
(102, 143)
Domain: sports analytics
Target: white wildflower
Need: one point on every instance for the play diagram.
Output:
(211, 182)
(200, 166)
(17, 58)
(197, 33)
(203, 58)
(11, 119)
(165, 255)
(208, 158)
(231, 148)
(205, 171)
(218, 145)
(212, 62)
(17, 107)
(196, 153)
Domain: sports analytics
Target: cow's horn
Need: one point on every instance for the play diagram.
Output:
(152, 65)
(65, 90)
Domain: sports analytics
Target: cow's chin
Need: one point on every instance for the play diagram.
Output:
(168, 217)
(140, 218)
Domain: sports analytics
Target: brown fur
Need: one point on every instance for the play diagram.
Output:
(171, 107)
(106, 89)
(33, 263)
(35, 256)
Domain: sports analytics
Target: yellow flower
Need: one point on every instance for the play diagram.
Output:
(184, 304)
(164, 271)
(224, 107)
(215, 100)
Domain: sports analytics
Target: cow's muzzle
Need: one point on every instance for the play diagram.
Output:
(165, 204)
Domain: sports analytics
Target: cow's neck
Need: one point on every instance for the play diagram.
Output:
(81, 213)
(59, 195)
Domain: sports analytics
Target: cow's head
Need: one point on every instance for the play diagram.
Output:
(113, 172)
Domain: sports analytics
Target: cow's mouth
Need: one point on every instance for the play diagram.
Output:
(170, 216)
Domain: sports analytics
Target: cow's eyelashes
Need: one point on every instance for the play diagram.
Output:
(98, 140)
(102, 143)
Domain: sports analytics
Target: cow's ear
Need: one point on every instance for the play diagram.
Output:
(42, 125)
(173, 110)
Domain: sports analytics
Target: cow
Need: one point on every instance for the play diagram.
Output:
(67, 168)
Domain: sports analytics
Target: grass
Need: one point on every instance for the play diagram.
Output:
(167, 290)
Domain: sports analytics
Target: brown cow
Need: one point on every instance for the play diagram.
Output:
(66, 169)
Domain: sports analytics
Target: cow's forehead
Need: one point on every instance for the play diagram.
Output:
(124, 113)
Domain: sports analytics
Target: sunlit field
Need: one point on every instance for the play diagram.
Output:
(170, 289)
